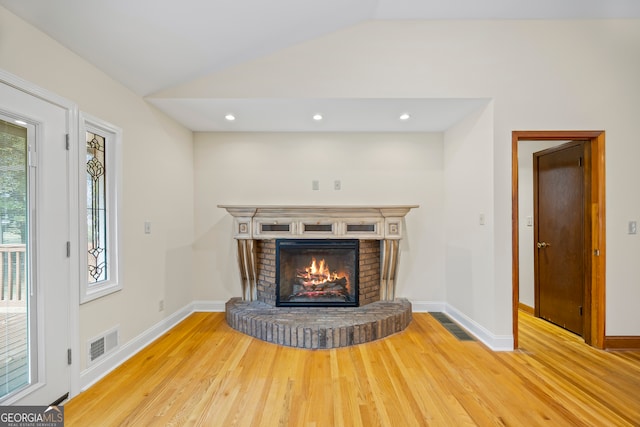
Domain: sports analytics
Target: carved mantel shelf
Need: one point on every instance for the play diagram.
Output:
(383, 223)
(300, 221)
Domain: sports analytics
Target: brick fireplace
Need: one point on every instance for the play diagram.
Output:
(368, 271)
(373, 313)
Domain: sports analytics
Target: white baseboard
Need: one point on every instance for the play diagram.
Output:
(212, 306)
(96, 372)
(494, 342)
(427, 306)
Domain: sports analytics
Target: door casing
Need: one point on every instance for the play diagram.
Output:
(594, 331)
(72, 130)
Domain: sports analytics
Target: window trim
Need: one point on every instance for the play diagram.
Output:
(113, 159)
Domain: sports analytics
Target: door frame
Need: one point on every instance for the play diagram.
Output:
(73, 179)
(594, 331)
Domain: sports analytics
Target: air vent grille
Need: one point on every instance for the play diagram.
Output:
(96, 349)
(103, 345)
(452, 327)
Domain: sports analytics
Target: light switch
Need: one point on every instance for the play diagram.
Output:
(632, 227)
(147, 227)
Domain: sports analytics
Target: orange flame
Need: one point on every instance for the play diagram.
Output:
(319, 272)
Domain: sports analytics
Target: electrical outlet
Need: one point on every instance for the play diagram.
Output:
(315, 184)
(147, 227)
(337, 185)
(161, 305)
(632, 227)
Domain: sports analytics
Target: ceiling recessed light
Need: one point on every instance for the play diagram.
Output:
(230, 117)
(317, 117)
(405, 116)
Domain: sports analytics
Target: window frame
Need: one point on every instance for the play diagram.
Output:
(113, 182)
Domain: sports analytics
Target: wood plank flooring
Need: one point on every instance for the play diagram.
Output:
(203, 373)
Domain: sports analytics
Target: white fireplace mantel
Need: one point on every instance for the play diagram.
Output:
(304, 221)
(382, 223)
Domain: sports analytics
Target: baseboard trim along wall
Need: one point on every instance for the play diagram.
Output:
(428, 307)
(494, 342)
(526, 308)
(96, 372)
(622, 343)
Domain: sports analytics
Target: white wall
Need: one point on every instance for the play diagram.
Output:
(157, 182)
(469, 224)
(277, 168)
(540, 74)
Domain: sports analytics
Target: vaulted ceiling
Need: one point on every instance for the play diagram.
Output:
(159, 46)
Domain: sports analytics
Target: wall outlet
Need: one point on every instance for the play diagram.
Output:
(315, 185)
(147, 227)
(632, 227)
(337, 185)
(161, 305)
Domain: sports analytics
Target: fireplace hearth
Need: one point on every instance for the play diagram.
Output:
(316, 273)
(318, 276)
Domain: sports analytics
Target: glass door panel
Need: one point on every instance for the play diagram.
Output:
(15, 366)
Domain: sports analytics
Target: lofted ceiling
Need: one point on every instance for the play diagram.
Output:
(154, 46)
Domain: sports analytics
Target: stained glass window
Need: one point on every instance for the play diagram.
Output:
(100, 153)
(97, 208)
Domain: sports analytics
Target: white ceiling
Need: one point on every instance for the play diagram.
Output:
(154, 45)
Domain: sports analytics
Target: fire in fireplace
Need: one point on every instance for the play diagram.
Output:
(316, 273)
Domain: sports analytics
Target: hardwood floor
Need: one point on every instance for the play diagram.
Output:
(204, 373)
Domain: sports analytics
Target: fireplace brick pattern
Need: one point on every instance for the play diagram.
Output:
(369, 290)
(266, 262)
(321, 327)
(369, 280)
(379, 312)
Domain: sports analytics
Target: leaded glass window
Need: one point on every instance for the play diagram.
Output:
(100, 154)
(96, 208)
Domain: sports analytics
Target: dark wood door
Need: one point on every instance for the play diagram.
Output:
(559, 234)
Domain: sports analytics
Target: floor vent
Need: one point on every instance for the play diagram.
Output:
(452, 327)
(103, 345)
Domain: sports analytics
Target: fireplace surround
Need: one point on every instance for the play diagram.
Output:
(350, 310)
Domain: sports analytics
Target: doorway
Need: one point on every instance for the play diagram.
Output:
(561, 191)
(593, 211)
(38, 191)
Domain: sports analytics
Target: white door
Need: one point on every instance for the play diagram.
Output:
(48, 264)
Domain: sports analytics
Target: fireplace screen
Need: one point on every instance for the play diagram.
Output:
(317, 273)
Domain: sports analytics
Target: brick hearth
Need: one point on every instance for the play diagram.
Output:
(318, 327)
